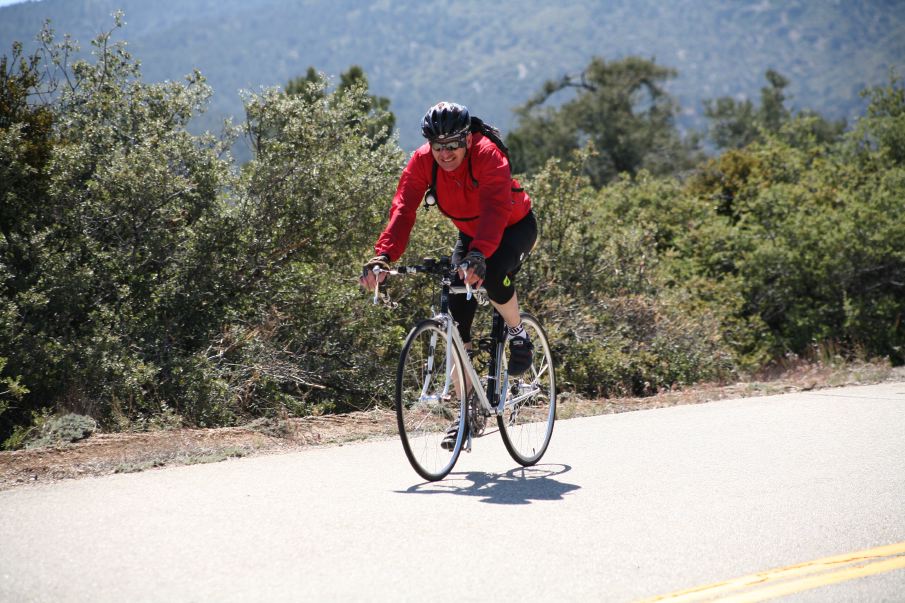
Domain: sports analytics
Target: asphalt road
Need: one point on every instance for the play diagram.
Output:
(623, 507)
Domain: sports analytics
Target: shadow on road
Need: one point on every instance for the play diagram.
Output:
(519, 486)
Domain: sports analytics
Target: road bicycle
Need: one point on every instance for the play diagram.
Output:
(437, 383)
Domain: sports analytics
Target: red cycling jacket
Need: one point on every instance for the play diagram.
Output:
(480, 210)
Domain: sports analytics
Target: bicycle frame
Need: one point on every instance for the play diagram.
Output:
(523, 405)
(493, 401)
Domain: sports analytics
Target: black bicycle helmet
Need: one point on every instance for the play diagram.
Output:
(445, 120)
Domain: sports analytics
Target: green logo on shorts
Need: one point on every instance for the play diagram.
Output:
(506, 281)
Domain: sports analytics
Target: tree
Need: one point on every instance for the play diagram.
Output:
(622, 108)
(144, 280)
(378, 121)
(310, 86)
(736, 124)
(109, 210)
(26, 145)
(881, 133)
(809, 235)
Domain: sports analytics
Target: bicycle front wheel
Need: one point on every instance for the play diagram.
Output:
(429, 399)
(530, 408)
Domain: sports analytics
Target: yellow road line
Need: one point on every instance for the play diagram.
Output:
(811, 582)
(801, 574)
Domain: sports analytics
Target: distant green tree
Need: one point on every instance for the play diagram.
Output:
(809, 237)
(737, 123)
(622, 108)
(310, 86)
(733, 124)
(378, 122)
(880, 135)
(773, 109)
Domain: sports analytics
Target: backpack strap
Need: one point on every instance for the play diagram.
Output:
(478, 126)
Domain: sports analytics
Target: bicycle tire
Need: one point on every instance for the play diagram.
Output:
(527, 425)
(423, 410)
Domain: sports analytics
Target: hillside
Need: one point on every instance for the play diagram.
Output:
(151, 281)
(418, 51)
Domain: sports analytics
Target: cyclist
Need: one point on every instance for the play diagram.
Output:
(475, 189)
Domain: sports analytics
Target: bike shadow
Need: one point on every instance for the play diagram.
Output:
(519, 486)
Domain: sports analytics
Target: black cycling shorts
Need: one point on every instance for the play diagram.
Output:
(517, 241)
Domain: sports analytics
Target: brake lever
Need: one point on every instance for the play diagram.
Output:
(382, 297)
(376, 271)
(464, 268)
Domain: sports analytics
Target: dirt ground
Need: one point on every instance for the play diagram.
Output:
(107, 453)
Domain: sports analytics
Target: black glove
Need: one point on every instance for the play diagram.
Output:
(381, 260)
(474, 259)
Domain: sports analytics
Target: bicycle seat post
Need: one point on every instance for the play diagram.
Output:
(497, 338)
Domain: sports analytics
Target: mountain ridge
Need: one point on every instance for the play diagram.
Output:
(494, 59)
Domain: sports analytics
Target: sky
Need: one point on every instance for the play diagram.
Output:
(8, 2)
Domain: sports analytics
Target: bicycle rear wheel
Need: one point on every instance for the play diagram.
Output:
(429, 398)
(530, 409)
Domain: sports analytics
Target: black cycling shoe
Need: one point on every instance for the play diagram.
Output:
(521, 353)
(452, 433)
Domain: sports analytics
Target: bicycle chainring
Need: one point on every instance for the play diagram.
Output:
(477, 421)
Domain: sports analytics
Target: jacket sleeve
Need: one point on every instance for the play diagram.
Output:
(491, 169)
(403, 211)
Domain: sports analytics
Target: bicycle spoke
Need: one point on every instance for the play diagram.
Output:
(528, 415)
(426, 402)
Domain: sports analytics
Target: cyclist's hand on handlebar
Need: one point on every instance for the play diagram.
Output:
(473, 268)
(368, 278)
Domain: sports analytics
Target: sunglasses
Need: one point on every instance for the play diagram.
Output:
(459, 143)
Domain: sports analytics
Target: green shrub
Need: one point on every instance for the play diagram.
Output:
(148, 282)
(619, 323)
(55, 431)
(809, 239)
